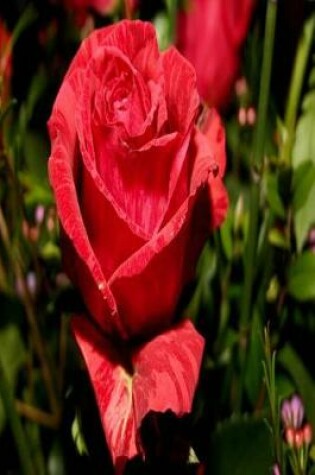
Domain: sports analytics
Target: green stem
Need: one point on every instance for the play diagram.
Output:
(295, 89)
(15, 425)
(258, 154)
(172, 14)
(270, 29)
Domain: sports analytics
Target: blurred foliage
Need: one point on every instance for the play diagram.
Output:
(51, 393)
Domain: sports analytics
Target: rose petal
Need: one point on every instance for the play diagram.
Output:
(165, 374)
(137, 40)
(181, 94)
(110, 236)
(62, 170)
(213, 130)
(148, 285)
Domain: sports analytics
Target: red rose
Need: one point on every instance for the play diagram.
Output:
(138, 186)
(100, 6)
(210, 34)
(5, 63)
(81, 8)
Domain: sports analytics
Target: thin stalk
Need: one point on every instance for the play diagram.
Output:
(297, 79)
(20, 440)
(269, 367)
(32, 320)
(36, 415)
(258, 154)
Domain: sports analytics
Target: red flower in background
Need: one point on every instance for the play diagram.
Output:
(102, 7)
(81, 8)
(210, 34)
(5, 63)
(138, 187)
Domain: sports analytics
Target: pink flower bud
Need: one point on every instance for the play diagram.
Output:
(289, 436)
(307, 434)
(276, 470)
(39, 214)
(298, 439)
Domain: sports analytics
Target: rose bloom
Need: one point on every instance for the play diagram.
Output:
(210, 34)
(138, 188)
(5, 64)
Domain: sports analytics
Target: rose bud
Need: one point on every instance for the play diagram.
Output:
(307, 434)
(138, 187)
(210, 34)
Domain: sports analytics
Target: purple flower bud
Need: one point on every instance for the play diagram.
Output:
(292, 412)
(297, 411)
(276, 470)
(39, 214)
(30, 283)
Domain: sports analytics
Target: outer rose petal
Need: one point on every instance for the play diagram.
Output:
(211, 127)
(165, 374)
(62, 170)
(148, 285)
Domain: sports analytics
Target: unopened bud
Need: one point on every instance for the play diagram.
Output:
(290, 436)
(276, 470)
(299, 438)
(307, 434)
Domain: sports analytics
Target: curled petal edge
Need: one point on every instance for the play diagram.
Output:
(165, 372)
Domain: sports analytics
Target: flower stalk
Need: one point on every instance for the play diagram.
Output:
(257, 161)
(269, 369)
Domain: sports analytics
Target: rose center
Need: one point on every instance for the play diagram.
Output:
(117, 97)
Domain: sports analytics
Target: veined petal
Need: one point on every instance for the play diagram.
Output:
(62, 169)
(165, 375)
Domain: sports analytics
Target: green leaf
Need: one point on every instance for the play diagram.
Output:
(273, 196)
(278, 238)
(304, 147)
(76, 432)
(301, 280)
(241, 447)
(303, 200)
(305, 385)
